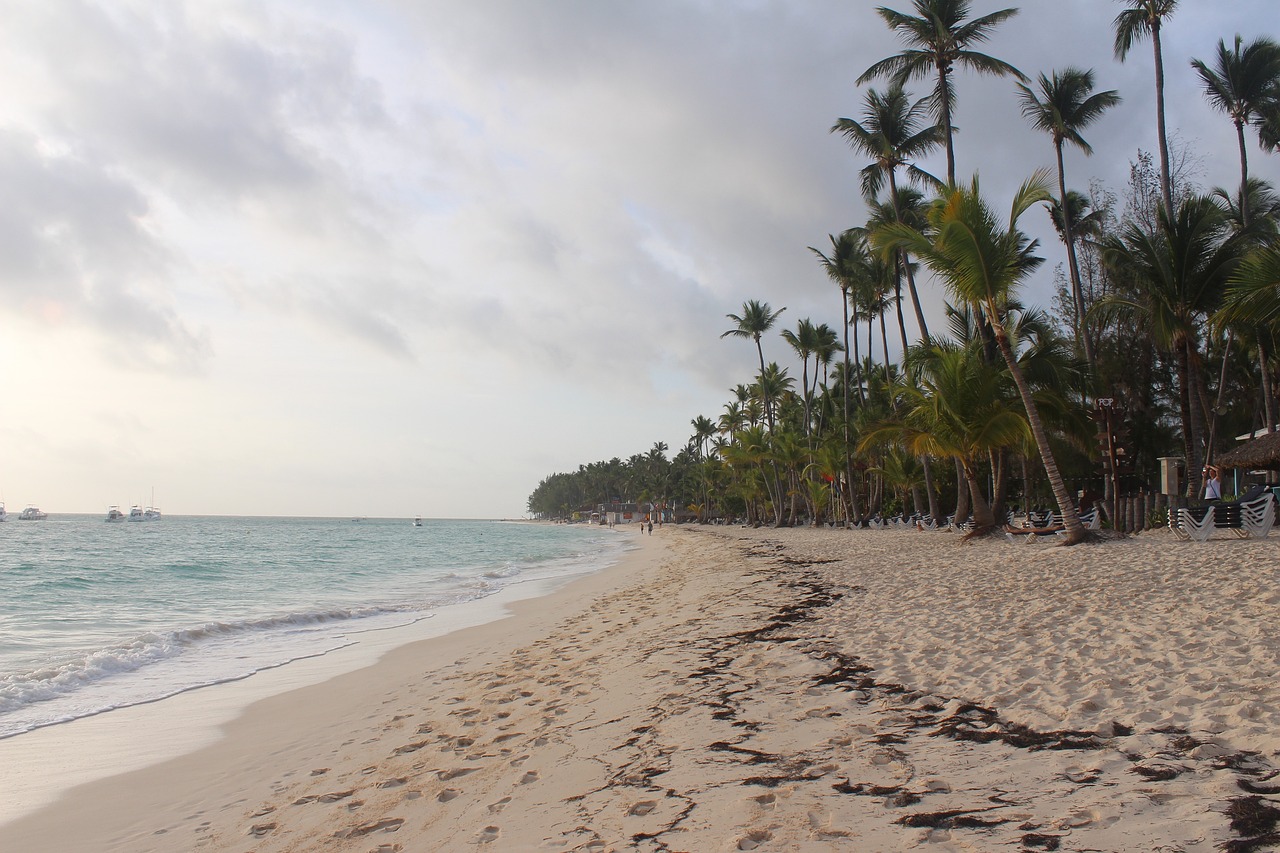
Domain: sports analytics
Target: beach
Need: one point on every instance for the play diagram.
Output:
(739, 689)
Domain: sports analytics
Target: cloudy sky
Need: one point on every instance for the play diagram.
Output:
(393, 258)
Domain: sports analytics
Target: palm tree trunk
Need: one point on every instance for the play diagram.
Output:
(884, 345)
(1166, 180)
(963, 494)
(1190, 441)
(944, 106)
(1244, 175)
(1268, 393)
(1075, 531)
(905, 260)
(931, 493)
(1073, 266)
(983, 518)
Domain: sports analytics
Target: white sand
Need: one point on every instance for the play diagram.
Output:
(733, 690)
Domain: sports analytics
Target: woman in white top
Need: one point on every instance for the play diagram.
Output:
(1212, 484)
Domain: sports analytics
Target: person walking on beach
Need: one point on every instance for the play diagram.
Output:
(651, 527)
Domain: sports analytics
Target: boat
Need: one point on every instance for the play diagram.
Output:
(114, 514)
(135, 513)
(417, 521)
(32, 513)
(4, 516)
(151, 513)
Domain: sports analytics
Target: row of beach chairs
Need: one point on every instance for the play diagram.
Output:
(1251, 517)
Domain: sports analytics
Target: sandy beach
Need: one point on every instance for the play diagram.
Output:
(733, 689)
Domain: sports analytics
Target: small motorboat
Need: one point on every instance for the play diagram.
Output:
(114, 514)
(151, 513)
(32, 513)
(136, 514)
(4, 516)
(417, 521)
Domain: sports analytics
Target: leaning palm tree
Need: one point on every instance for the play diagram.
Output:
(891, 134)
(983, 262)
(756, 319)
(1242, 83)
(1144, 18)
(1065, 105)
(938, 39)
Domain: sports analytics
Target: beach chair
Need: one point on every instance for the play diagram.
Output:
(1193, 522)
(1258, 516)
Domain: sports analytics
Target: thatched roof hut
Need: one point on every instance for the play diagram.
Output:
(1261, 452)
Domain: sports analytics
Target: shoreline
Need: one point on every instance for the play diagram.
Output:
(732, 689)
(53, 759)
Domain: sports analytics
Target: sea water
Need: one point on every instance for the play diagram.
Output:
(96, 616)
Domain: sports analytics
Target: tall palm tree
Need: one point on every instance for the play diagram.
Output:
(756, 319)
(937, 39)
(1241, 84)
(1142, 18)
(1065, 105)
(841, 267)
(983, 262)
(805, 341)
(891, 134)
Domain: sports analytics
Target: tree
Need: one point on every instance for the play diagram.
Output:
(1145, 18)
(756, 319)
(890, 133)
(1242, 84)
(1178, 274)
(983, 262)
(937, 40)
(1065, 105)
(959, 407)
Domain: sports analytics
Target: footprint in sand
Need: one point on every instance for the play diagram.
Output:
(642, 808)
(754, 839)
(447, 794)
(495, 808)
(446, 775)
(531, 776)
(393, 783)
(488, 834)
(260, 829)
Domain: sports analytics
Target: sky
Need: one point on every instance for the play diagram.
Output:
(409, 257)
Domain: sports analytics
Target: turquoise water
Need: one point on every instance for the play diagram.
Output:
(95, 616)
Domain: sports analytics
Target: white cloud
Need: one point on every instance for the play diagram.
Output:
(406, 257)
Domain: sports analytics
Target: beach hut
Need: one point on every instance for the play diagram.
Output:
(1261, 453)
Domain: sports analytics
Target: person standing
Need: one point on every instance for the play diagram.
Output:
(1212, 484)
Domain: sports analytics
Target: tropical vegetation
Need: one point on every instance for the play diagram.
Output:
(1167, 311)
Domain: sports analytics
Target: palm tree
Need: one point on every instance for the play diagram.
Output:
(1145, 18)
(1242, 84)
(937, 40)
(1066, 105)
(805, 342)
(890, 133)
(756, 319)
(841, 267)
(960, 407)
(982, 263)
(1178, 272)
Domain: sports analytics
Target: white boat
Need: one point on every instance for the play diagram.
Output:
(4, 516)
(417, 521)
(135, 513)
(114, 514)
(151, 513)
(32, 513)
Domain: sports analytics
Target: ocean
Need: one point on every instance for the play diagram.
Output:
(97, 616)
